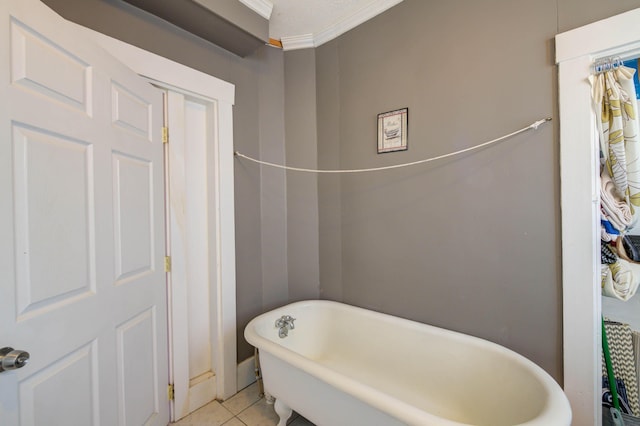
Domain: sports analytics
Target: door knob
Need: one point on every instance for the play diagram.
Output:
(11, 359)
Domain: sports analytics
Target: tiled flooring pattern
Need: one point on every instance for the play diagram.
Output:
(246, 408)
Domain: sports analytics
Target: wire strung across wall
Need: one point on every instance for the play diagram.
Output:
(532, 126)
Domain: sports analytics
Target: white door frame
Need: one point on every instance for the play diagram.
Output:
(580, 200)
(172, 75)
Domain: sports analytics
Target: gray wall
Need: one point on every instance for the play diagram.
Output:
(329, 185)
(302, 188)
(470, 243)
(273, 197)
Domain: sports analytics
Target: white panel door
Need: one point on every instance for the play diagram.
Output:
(81, 230)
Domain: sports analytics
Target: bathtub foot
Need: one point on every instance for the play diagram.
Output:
(283, 411)
(269, 398)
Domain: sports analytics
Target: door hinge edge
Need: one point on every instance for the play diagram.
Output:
(167, 263)
(170, 390)
(165, 134)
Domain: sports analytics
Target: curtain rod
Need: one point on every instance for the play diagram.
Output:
(606, 64)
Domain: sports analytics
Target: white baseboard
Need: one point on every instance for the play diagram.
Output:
(246, 373)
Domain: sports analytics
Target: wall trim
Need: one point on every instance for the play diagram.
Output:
(159, 68)
(303, 41)
(246, 373)
(613, 40)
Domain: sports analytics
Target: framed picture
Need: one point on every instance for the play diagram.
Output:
(392, 130)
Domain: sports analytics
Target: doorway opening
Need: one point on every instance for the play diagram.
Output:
(576, 51)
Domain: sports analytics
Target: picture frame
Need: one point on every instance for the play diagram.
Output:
(393, 129)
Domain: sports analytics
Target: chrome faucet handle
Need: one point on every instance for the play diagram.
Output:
(290, 321)
(285, 321)
(283, 332)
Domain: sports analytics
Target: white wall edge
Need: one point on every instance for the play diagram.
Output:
(226, 307)
(580, 221)
(246, 373)
(261, 7)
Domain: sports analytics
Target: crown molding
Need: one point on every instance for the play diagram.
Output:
(261, 7)
(352, 21)
(338, 28)
(303, 41)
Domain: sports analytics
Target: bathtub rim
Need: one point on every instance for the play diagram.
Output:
(556, 401)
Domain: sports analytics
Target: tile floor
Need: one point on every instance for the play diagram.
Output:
(246, 408)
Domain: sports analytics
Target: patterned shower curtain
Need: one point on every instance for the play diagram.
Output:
(614, 97)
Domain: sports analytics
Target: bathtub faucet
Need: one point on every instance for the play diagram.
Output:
(285, 323)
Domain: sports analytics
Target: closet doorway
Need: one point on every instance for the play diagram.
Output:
(576, 51)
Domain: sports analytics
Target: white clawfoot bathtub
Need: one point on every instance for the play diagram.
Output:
(343, 365)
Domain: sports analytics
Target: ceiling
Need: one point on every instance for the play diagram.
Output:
(310, 23)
